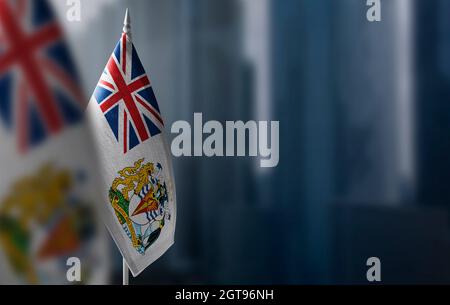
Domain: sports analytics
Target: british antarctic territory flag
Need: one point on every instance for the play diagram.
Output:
(135, 165)
(47, 184)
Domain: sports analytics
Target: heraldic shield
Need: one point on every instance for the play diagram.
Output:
(139, 197)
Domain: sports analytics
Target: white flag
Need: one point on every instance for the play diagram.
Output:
(47, 179)
(137, 182)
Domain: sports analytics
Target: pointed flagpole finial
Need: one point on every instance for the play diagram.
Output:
(127, 24)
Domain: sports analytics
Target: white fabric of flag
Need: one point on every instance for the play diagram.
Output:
(139, 198)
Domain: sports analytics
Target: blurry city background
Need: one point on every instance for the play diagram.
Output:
(364, 111)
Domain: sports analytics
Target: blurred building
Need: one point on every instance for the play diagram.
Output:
(432, 107)
(372, 83)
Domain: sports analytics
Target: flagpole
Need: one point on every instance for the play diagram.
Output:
(125, 273)
(125, 270)
(127, 24)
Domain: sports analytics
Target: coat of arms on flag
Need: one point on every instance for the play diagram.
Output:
(135, 163)
(139, 198)
(45, 201)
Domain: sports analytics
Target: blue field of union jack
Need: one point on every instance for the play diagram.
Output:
(39, 88)
(127, 99)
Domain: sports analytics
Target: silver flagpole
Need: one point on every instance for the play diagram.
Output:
(125, 270)
(125, 273)
(127, 24)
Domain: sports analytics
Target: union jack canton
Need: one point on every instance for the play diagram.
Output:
(126, 97)
(39, 88)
